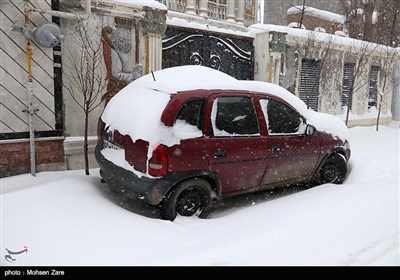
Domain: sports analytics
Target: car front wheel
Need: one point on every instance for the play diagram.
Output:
(189, 198)
(333, 170)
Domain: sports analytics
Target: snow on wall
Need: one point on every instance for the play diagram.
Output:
(180, 22)
(321, 14)
(338, 41)
(143, 3)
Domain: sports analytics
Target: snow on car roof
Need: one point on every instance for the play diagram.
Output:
(183, 78)
(191, 77)
(136, 110)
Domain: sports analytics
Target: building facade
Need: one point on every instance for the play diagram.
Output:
(58, 119)
(241, 12)
(14, 106)
(332, 74)
(132, 41)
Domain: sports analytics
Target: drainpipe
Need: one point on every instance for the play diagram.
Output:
(30, 111)
(88, 6)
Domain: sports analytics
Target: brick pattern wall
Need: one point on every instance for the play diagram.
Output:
(15, 157)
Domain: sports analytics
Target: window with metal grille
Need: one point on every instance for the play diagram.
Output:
(373, 86)
(348, 77)
(309, 82)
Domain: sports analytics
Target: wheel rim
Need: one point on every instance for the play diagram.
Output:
(190, 202)
(331, 173)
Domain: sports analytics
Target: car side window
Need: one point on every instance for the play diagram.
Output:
(189, 121)
(234, 116)
(281, 119)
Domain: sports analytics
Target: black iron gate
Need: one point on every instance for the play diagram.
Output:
(230, 54)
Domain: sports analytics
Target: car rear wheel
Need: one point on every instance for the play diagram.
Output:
(189, 198)
(334, 170)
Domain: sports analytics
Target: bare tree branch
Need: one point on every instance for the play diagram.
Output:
(359, 80)
(85, 73)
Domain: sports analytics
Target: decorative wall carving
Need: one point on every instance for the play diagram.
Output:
(118, 60)
(153, 21)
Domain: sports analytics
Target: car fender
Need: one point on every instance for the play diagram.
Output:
(337, 150)
(212, 178)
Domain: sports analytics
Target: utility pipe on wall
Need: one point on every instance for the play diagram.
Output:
(31, 110)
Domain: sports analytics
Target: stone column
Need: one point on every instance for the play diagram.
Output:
(153, 27)
(240, 12)
(153, 52)
(261, 56)
(191, 7)
(396, 96)
(231, 11)
(203, 9)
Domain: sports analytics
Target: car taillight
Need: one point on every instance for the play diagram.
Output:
(158, 163)
(101, 132)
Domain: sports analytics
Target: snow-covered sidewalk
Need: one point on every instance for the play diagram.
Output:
(64, 218)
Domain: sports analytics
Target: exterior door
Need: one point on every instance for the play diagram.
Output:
(292, 155)
(235, 148)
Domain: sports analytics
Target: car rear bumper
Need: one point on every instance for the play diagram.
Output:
(151, 190)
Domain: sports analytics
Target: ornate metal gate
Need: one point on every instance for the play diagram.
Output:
(230, 54)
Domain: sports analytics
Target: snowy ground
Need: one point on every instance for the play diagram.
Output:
(64, 218)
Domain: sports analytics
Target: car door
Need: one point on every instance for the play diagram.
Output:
(292, 155)
(234, 147)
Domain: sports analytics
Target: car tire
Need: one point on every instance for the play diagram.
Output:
(333, 170)
(189, 198)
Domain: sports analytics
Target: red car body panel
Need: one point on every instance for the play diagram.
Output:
(242, 163)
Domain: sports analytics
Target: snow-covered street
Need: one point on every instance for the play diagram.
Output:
(64, 218)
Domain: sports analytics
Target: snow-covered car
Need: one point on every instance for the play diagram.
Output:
(181, 137)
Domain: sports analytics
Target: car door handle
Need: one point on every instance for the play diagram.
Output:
(219, 154)
(276, 148)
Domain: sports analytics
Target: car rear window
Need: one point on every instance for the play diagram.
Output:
(192, 112)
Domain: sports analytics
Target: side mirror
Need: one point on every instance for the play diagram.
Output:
(310, 130)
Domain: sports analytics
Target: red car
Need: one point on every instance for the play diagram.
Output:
(183, 136)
